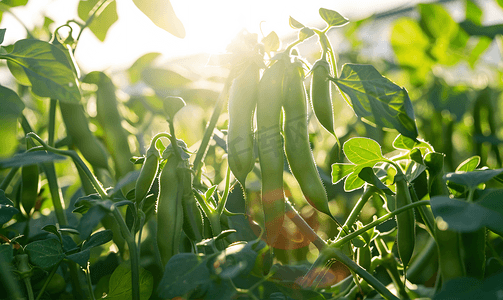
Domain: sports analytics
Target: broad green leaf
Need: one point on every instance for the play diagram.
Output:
(104, 18)
(45, 253)
(362, 150)
(183, 273)
(162, 14)
(474, 178)
(163, 80)
(332, 17)
(295, 24)
(437, 22)
(11, 108)
(305, 33)
(47, 69)
(466, 216)
(82, 257)
(470, 164)
(172, 105)
(405, 143)
(410, 44)
(414, 169)
(271, 42)
(119, 287)
(367, 174)
(14, 3)
(475, 52)
(29, 158)
(340, 171)
(90, 220)
(473, 12)
(353, 181)
(7, 209)
(97, 239)
(140, 64)
(2, 34)
(377, 99)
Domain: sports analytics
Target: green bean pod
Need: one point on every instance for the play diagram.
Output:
(242, 102)
(270, 148)
(321, 97)
(77, 127)
(169, 211)
(192, 219)
(147, 174)
(297, 148)
(406, 221)
(29, 189)
(107, 113)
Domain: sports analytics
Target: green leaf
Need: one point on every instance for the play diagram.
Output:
(353, 181)
(340, 171)
(305, 33)
(97, 239)
(163, 80)
(7, 209)
(410, 44)
(332, 17)
(2, 34)
(81, 257)
(140, 64)
(295, 24)
(465, 216)
(172, 105)
(12, 108)
(45, 253)
(52, 229)
(162, 14)
(437, 22)
(470, 164)
(377, 99)
(47, 69)
(29, 158)
(119, 287)
(405, 143)
(104, 18)
(367, 174)
(474, 178)
(6, 253)
(183, 273)
(473, 12)
(362, 150)
(271, 42)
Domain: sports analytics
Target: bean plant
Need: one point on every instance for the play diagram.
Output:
(106, 194)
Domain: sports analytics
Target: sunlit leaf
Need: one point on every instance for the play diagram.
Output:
(120, 283)
(271, 42)
(362, 150)
(295, 24)
(410, 44)
(377, 99)
(305, 33)
(332, 17)
(473, 12)
(468, 165)
(47, 68)
(140, 64)
(340, 171)
(2, 34)
(368, 175)
(162, 14)
(105, 16)
(474, 178)
(11, 108)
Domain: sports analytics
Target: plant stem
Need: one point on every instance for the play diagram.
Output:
(201, 152)
(223, 201)
(29, 289)
(133, 253)
(306, 230)
(371, 280)
(356, 210)
(8, 178)
(52, 122)
(47, 280)
(352, 235)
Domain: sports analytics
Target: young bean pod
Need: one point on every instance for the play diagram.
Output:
(147, 174)
(297, 147)
(321, 97)
(242, 102)
(406, 221)
(270, 148)
(169, 210)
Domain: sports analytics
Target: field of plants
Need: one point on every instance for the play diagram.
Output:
(310, 167)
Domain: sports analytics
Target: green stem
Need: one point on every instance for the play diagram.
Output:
(47, 280)
(353, 216)
(95, 12)
(371, 280)
(89, 284)
(306, 230)
(352, 235)
(174, 144)
(6, 181)
(201, 152)
(52, 122)
(223, 201)
(133, 253)
(29, 289)
(76, 158)
(57, 197)
(158, 136)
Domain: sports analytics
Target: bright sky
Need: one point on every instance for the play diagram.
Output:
(210, 25)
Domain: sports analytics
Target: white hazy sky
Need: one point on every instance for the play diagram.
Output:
(210, 25)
